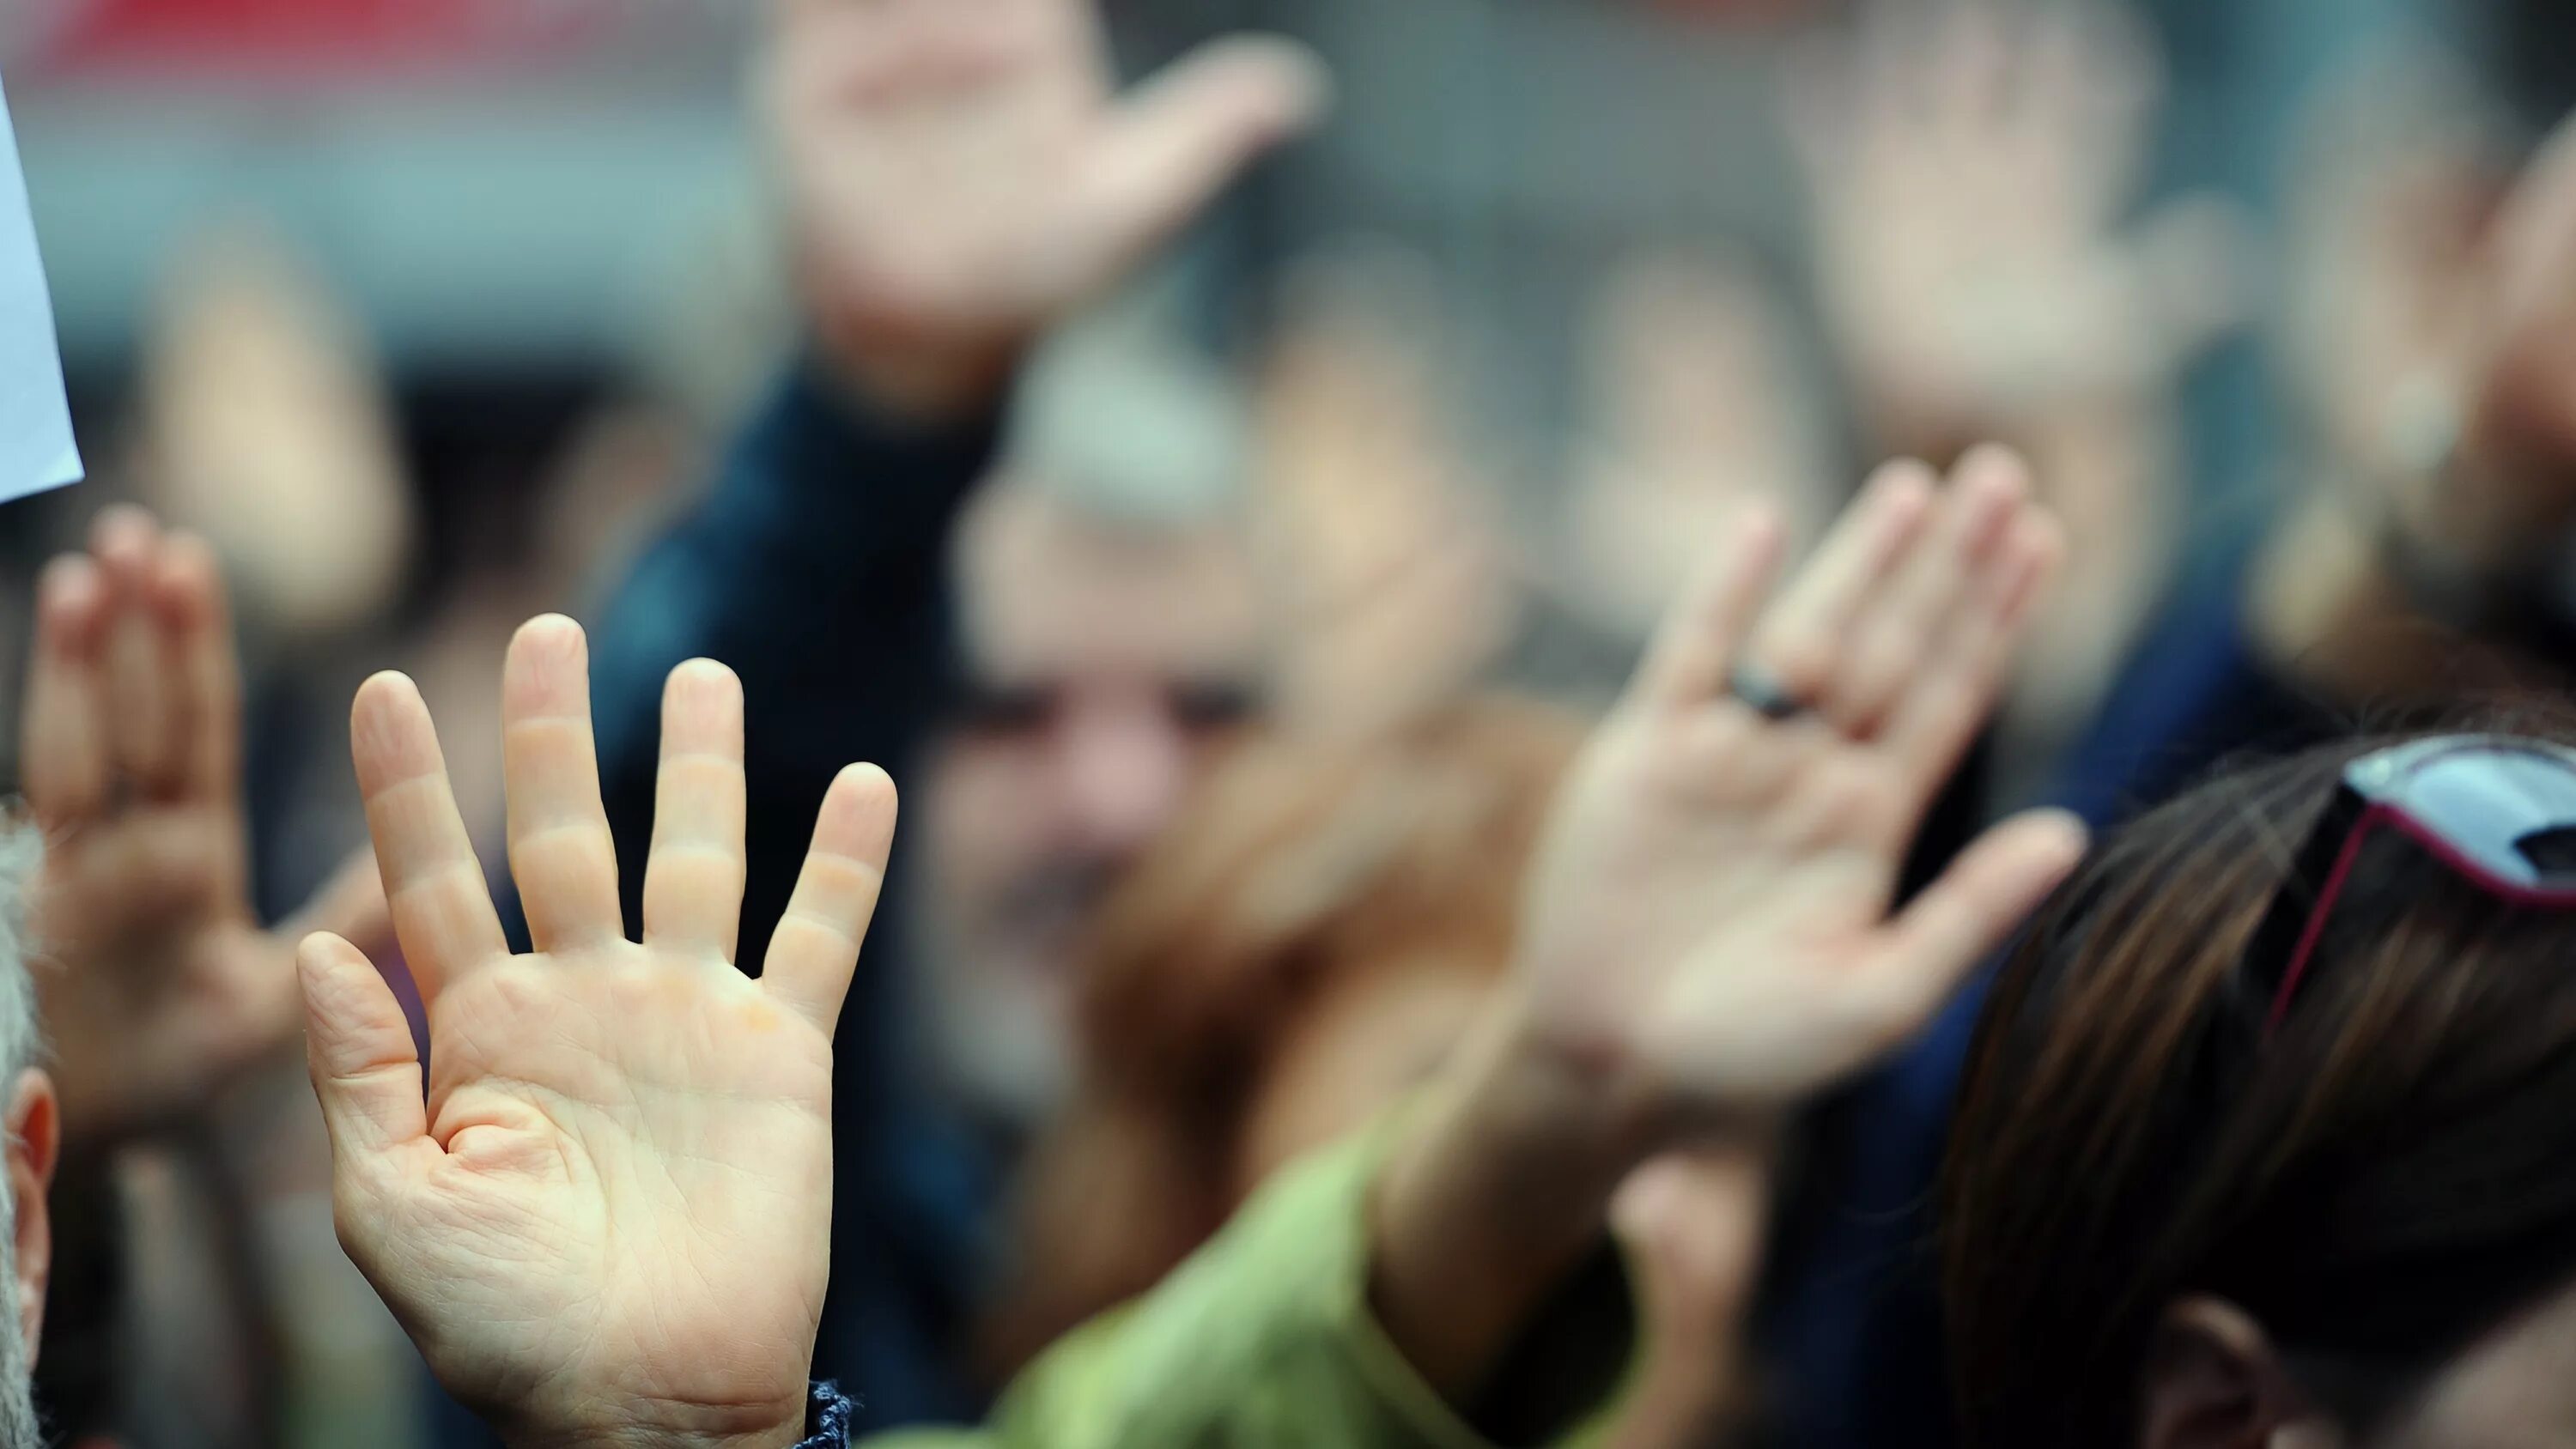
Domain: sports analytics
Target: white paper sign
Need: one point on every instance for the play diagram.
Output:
(37, 451)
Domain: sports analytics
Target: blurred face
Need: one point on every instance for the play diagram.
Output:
(1103, 661)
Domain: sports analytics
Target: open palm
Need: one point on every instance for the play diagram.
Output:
(964, 175)
(1973, 162)
(609, 1220)
(1711, 916)
(158, 983)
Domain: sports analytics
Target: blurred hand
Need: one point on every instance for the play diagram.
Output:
(610, 1224)
(1696, 404)
(962, 176)
(1394, 577)
(2513, 489)
(266, 425)
(1694, 1225)
(1709, 926)
(1971, 161)
(1709, 935)
(160, 984)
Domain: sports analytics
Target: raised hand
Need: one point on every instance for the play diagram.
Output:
(2507, 500)
(1711, 933)
(609, 1221)
(1709, 921)
(1972, 161)
(157, 984)
(963, 176)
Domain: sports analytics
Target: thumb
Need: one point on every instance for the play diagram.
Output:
(1977, 904)
(366, 1069)
(350, 905)
(1188, 132)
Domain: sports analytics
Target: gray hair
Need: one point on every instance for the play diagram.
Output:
(1124, 421)
(22, 1036)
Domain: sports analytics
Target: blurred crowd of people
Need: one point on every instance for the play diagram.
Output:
(1397, 934)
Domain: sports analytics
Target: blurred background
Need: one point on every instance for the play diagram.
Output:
(434, 311)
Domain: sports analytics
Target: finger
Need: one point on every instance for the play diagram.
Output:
(143, 733)
(1802, 639)
(561, 852)
(366, 1069)
(63, 736)
(1915, 605)
(204, 668)
(1190, 131)
(350, 905)
(434, 885)
(1965, 674)
(693, 883)
(1697, 643)
(816, 946)
(1968, 913)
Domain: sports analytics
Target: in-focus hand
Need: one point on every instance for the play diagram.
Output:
(157, 984)
(1709, 929)
(610, 1222)
(963, 175)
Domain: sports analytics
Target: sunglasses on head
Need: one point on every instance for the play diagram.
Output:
(2498, 811)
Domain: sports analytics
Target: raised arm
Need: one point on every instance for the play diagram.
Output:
(157, 982)
(959, 179)
(607, 1221)
(1710, 933)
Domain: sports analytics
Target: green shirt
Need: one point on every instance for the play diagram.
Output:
(1264, 1340)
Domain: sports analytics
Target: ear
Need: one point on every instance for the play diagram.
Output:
(2215, 1381)
(35, 1137)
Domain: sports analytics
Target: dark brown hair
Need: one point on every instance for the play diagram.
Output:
(1300, 866)
(2385, 1178)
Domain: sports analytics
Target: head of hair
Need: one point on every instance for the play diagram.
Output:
(22, 1038)
(2376, 1183)
(1122, 421)
(1301, 867)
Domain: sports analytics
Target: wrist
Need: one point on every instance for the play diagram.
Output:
(661, 1426)
(1500, 1191)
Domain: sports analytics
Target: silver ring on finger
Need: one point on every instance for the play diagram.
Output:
(1761, 691)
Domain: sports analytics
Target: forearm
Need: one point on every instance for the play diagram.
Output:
(1499, 1192)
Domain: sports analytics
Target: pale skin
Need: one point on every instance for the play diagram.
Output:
(1710, 934)
(608, 1220)
(1973, 163)
(157, 981)
(2326, 604)
(962, 176)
